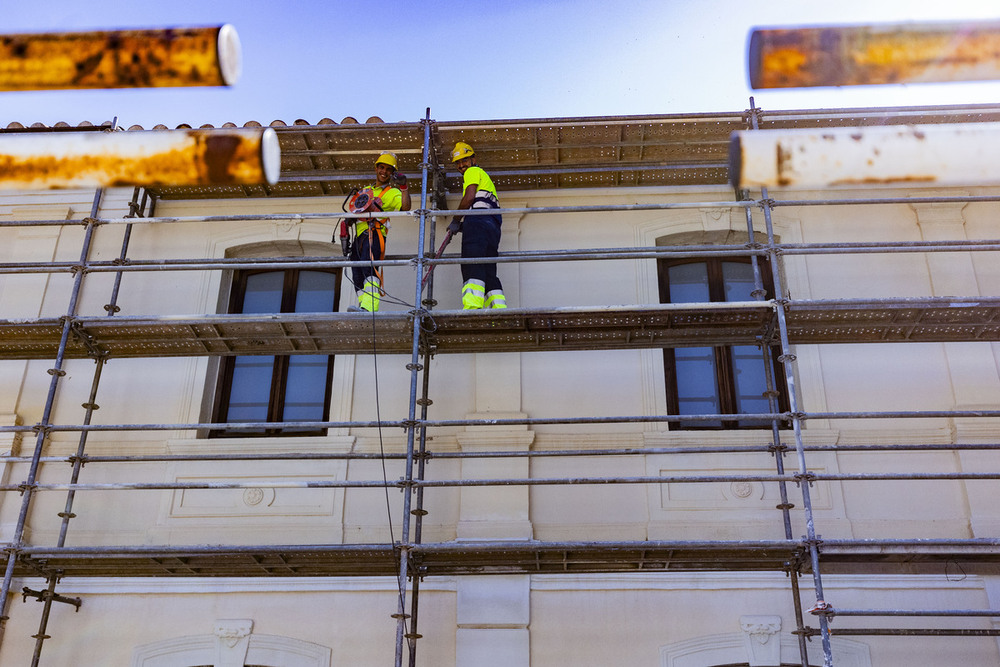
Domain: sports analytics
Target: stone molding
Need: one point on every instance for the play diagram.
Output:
(759, 637)
(232, 644)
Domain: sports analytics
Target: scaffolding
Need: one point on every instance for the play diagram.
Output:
(537, 154)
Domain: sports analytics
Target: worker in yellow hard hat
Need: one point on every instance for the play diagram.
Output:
(481, 287)
(390, 194)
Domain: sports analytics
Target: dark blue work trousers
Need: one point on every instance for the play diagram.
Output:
(367, 248)
(481, 238)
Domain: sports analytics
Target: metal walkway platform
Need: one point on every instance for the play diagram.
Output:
(512, 330)
(450, 558)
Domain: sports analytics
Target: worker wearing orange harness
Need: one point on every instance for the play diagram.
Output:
(480, 233)
(391, 194)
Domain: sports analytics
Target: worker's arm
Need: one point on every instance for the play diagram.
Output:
(399, 180)
(469, 196)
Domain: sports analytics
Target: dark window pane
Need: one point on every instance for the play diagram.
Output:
(315, 293)
(250, 393)
(697, 392)
(737, 279)
(688, 283)
(751, 382)
(305, 392)
(263, 292)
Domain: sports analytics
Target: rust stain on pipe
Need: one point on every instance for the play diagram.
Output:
(155, 158)
(877, 54)
(935, 154)
(166, 57)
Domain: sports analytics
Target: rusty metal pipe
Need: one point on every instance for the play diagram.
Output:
(154, 58)
(874, 54)
(33, 161)
(928, 155)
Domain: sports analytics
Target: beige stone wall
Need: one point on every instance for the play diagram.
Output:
(656, 620)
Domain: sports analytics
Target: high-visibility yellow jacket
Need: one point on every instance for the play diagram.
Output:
(485, 189)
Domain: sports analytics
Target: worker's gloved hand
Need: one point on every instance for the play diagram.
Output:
(456, 225)
(399, 180)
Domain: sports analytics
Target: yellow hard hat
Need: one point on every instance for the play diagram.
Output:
(461, 150)
(387, 158)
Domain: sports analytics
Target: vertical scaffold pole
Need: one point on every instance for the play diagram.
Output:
(57, 372)
(90, 406)
(402, 637)
(777, 448)
(759, 293)
(418, 511)
(787, 359)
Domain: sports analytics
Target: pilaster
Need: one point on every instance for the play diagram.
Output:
(493, 613)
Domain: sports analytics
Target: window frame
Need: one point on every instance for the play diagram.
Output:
(725, 381)
(280, 367)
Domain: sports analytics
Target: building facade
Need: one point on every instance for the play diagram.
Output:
(713, 428)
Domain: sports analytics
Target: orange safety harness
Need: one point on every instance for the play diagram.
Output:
(365, 201)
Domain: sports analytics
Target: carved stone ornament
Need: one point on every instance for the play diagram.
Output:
(758, 631)
(234, 639)
(253, 496)
(760, 628)
(741, 489)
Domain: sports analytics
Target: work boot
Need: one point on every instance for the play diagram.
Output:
(473, 294)
(371, 292)
(496, 299)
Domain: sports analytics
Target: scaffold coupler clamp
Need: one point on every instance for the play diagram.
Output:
(805, 477)
(823, 608)
(41, 596)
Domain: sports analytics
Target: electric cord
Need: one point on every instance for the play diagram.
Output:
(400, 576)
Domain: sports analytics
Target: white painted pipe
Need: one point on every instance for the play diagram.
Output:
(931, 155)
(49, 160)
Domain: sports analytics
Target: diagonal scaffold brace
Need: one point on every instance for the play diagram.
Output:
(437, 255)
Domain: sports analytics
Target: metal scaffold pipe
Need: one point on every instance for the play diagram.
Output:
(986, 613)
(156, 158)
(151, 58)
(514, 481)
(787, 360)
(57, 372)
(594, 208)
(874, 54)
(929, 155)
(908, 632)
(534, 454)
(405, 424)
(588, 254)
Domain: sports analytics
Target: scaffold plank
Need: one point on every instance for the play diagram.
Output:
(532, 154)
(462, 558)
(511, 330)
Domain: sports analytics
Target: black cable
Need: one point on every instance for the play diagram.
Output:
(400, 582)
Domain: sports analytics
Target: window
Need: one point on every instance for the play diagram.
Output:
(277, 388)
(724, 379)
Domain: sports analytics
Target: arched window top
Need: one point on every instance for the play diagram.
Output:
(283, 248)
(233, 644)
(737, 649)
(711, 237)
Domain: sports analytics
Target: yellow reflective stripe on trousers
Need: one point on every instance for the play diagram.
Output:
(473, 294)
(368, 297)
(496, 299)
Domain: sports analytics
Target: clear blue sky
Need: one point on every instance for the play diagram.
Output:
(472, 61)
